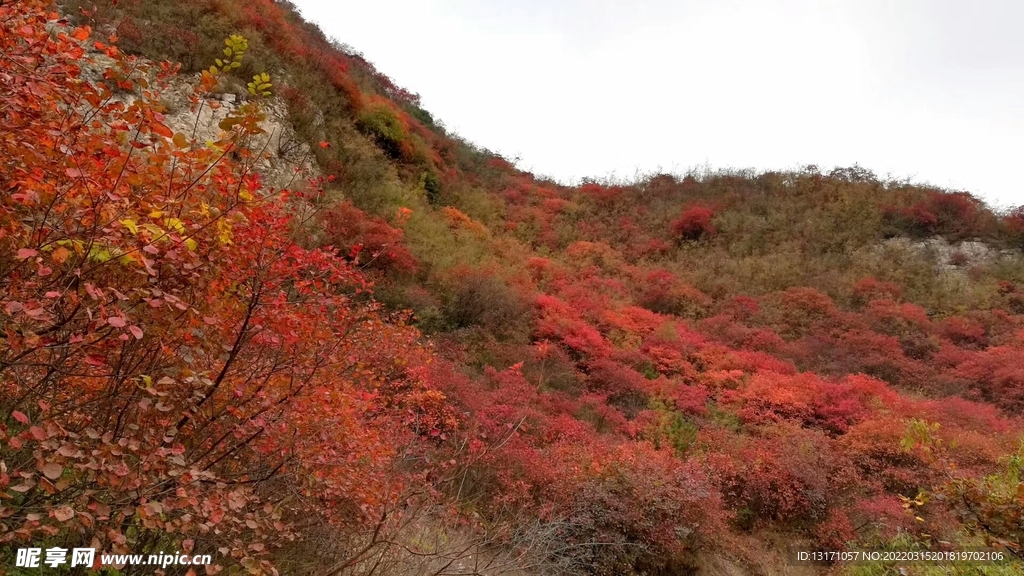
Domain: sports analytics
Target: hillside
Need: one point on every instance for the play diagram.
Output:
(293, 322)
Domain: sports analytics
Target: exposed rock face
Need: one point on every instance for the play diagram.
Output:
(950, 257)
(284, 160)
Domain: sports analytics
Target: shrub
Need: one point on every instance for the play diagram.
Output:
(662, 292)
(366, 240)
(917, 221)
(1014, 221)
(956, 214)
(479, 298)
(693, 224)
(380, 122)
(432, 187)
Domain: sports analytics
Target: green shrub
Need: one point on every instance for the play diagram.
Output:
(432, 187)
(380, 123)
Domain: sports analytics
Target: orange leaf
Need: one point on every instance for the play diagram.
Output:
(162, 130)
(81, 33)
(60, 255)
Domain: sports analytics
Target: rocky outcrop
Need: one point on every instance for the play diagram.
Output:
(949, 257)
(285, 161)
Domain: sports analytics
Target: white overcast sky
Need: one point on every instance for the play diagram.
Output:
(932, 90)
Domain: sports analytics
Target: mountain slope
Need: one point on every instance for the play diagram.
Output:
(645, 377)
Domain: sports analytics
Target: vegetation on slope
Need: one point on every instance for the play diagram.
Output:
(615, 376)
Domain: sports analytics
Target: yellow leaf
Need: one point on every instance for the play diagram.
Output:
(130, 225)
(174, 224)
(99, 254)
(224, 232)
(154, 230)
(156, 214)
(191, 244)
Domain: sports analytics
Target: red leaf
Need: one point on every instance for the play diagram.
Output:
(20, 417)
(162, 130)
(116, 321)
(26, 253)
(137, 332)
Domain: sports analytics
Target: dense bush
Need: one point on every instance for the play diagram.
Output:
(694, 223)
(366, 241)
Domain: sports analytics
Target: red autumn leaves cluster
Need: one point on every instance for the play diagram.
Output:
(170, 357)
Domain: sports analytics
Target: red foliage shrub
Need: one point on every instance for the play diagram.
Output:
(639, 494)
(836, 532)
(921, 219)
(664, 293)
(758, 487)
(690, 399)
(602, 194)
(956, 213)
(610, 377)
(807, 400)
(740, 337)
(995, 375)
(854, 351)
(367, 241)
(631, 321)
(916, 221)
(694, 223)
(964, 332)
(808, 302)
(741, 307)
(797, 312)
(875, 448)
(869, 288)
(561, 322)
(882, 518)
